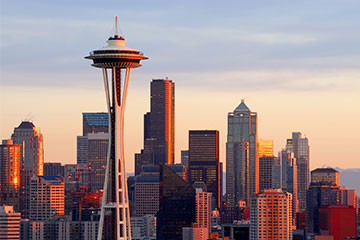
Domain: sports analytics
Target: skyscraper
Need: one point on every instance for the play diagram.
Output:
(97, 155)
(289, 179)
(96, 122)
(10, 174)
(177, 205)
(159, 126)
(31, 159)
(47, 197)
(204, 161)
(271, 218)
(318, 194)
(265, 172)
(117, 58)
(203, 208)
(242, 162)
(302, 155)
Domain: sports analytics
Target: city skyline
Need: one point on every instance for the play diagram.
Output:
(294, 73)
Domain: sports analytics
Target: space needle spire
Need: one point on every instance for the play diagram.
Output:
(116, 61)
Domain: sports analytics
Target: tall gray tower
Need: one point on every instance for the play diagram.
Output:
(242, 162)
(119, 60)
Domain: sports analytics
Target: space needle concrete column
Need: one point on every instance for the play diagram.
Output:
(116, 61)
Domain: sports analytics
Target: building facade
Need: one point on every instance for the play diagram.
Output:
(176, 207)
(10, 174)
(9, 223)
(242, 162)
(31, 159)
(271, 218)
(204, 161)
(325, 175)
(302, 154)
(47, 197)
(159, 126)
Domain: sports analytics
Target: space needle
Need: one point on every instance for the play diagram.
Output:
(116, 61)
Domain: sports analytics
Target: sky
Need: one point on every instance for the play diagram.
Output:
(296, 63)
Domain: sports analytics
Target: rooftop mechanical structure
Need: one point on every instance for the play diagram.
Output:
(116, 61)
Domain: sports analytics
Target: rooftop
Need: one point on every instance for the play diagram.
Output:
(96, 119)
(242, 107)
(324, 170)
(26, 125)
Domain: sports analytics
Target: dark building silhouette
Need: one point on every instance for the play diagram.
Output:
(318, 195)
(265, 172)
(159, 126)
(53, 169)
(204, 161)
(176, 207)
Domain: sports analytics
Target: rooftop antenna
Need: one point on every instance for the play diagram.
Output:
(116, 26)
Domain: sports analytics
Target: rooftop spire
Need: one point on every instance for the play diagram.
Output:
(116, 26)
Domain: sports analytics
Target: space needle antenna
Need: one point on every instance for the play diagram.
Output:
(116, 26)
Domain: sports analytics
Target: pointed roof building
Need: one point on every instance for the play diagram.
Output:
(242, 107)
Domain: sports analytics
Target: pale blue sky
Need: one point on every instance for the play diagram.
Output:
(291, 60)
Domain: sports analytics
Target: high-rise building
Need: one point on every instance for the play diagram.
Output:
(204, 161)
(185, 158)
(289, 179)
(266, 148)
(203, 209)
(242, 162)
(146, 195)
(177, 205)
(325, 175)
(302, 154)
(146, 188)
(97, 156)
(271, 217)
(338, 221)
(31, 159)
(276, 173)
(53, 169)
(10, 174)
(47, 197)
(9, 223)
(95, 122)
(265, 172)
(318, 194)
(159, 126)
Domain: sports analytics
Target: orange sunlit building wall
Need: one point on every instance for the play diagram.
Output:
(272, 216)
(10, 174)
(265, 148)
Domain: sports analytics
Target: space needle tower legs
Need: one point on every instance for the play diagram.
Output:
(117, 58)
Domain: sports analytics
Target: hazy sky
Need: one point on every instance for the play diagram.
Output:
(296, 63)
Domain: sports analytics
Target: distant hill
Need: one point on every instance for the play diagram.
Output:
(350, 178)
